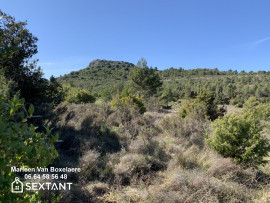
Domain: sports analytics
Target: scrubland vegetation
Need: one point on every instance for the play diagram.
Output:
(153, 136)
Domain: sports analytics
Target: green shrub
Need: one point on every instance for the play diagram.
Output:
(7, 87)
(21, 146)
(202, 105)
(260, 110)
(54, 92)
(191, 107)
(239, 136)
(130, 101)
(208, 100)
(77, 95)
(185, 109)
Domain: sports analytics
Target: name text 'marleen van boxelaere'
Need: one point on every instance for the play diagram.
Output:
(41, 169)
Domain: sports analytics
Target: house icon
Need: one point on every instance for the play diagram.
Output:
(17, 186)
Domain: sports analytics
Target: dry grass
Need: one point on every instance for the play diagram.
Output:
(155, 157)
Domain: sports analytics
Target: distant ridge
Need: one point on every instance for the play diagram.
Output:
(105, 74)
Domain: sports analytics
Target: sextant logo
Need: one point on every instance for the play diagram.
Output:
(17, 186)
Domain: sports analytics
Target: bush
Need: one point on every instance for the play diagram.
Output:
(97, 189)
(190, 107)
(7, 87)
(130, 164)
(239, 136)
(218, 166)
(130, 101)
(260, 110)
(131, 169)
(208, 100)
(89, 164)
(77, 95)
(21, 146)
(190, 131)
(203, 106)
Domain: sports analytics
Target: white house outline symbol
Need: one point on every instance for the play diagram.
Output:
(17, 188)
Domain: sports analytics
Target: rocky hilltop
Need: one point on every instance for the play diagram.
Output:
(99, 63)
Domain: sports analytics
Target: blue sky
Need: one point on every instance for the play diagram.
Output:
(231, 34)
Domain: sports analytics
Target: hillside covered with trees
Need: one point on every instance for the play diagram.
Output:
(230, 87)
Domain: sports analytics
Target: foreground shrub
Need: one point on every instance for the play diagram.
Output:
(239, 136)
(182, 186)
(21, 146)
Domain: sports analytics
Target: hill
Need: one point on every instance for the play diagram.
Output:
(99, 74)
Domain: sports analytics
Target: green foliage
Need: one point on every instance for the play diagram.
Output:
(185, 109)
(54, 92)
(264, 110)
(145, 80)
(77, 95)
(127, 102)
(106, 95)
(207, 98)
(6, 86)
(17, 47)
(259, 110)
(239, 136)
(203, 105)
(167, 96)
(190, 108)
(251, 103)
(142, 63)
(21, 146)
(233, 89)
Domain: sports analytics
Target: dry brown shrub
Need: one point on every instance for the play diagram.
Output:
(77, 194)
(183, 186)
(185, 158)
(138, 145)
(127, 194)
(97, 189)
(225, 169)
(132, 169)
(172, 125)
(199, 187)
(89, 164)
(130, 163)
(218, 166)
(190, 131)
